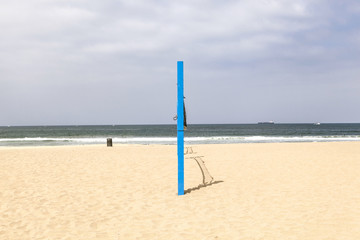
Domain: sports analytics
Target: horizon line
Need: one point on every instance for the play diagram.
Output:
(159, 124)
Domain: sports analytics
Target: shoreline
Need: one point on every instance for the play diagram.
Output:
(161, 144)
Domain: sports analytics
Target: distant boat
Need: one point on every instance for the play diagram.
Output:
(317, 124)
(270, 122)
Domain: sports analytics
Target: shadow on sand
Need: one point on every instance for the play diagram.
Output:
(201, 186)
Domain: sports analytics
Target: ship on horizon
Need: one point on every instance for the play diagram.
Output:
(269, 122)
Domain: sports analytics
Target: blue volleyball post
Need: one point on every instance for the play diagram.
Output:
(180, 126)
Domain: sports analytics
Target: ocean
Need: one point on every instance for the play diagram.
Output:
(166, 134)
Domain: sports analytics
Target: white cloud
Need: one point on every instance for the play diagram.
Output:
(129, 44)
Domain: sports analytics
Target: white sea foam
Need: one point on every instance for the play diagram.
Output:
(172, 140)
(301, 138)
(265, 139)
(93, 140)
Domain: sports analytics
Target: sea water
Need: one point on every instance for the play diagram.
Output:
(166, 134)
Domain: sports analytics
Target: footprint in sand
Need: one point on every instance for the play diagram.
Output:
(93, 225)
(102, 235)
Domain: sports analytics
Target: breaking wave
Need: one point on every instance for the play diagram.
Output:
(172, 140)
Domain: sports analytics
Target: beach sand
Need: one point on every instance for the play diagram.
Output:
(262, 191)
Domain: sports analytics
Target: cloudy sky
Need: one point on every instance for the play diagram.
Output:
(114, 61)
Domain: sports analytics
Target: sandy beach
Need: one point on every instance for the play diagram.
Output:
(261, 191)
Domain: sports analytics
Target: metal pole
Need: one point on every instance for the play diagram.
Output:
(180, 126)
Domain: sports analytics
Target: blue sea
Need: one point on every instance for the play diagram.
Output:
(166, 134)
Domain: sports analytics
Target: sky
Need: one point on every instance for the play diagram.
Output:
(73, 62)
